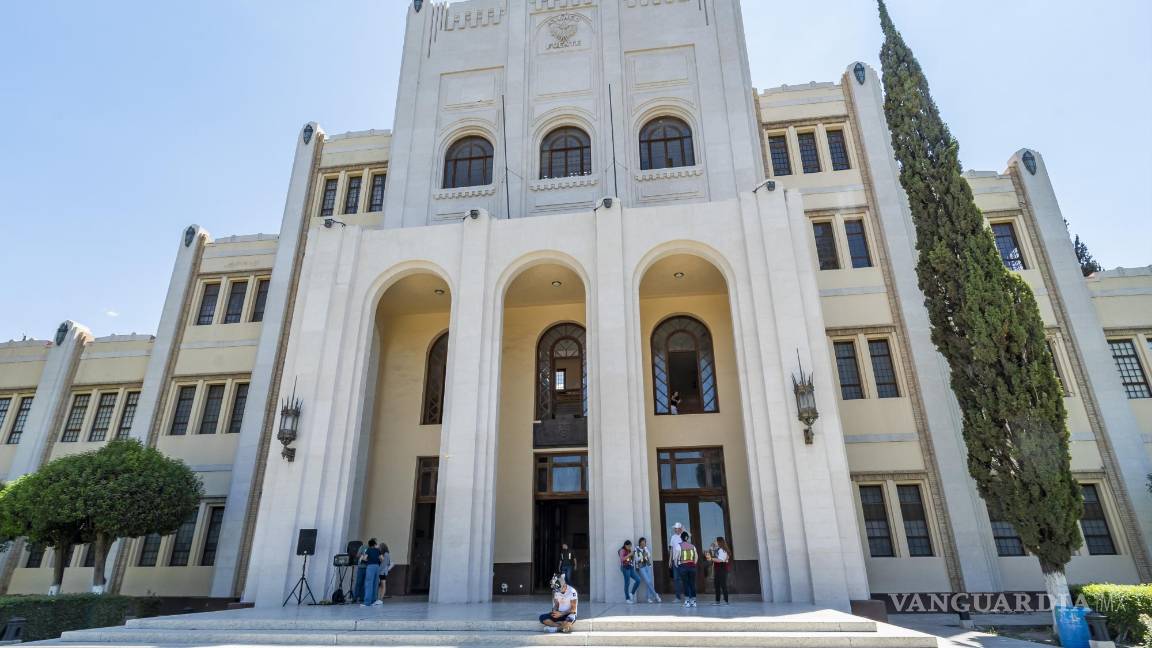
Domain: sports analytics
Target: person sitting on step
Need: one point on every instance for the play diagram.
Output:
(564, 601)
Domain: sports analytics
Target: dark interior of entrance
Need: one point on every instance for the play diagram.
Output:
(559, 521)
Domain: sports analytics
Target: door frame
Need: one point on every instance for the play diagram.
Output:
(418, 499)
(548, 495)
(692, 497)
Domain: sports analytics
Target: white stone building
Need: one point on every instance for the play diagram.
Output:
(634, 252)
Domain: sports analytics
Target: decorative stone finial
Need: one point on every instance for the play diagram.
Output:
(858, 70)
(1029, 160)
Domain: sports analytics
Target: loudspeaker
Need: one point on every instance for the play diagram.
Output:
(306, 545)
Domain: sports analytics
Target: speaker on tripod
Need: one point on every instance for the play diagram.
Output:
(305, 546)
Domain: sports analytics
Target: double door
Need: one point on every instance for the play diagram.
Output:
(693, 492)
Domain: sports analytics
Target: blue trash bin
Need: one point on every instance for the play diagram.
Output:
(1072, 626)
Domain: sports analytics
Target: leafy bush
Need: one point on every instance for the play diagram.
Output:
(48, 616)
(1123, 605)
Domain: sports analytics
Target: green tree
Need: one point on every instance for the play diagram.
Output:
(42, 508)
(1088, 263)
(986, 324)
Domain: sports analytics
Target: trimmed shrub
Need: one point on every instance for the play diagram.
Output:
(1123, 605)
(48, 616)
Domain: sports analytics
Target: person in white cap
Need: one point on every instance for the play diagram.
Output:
(674, 556)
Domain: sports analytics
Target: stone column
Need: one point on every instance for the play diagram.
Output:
(971, 527)
(273, 333)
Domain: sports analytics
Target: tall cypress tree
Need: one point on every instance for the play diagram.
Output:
(986, 324)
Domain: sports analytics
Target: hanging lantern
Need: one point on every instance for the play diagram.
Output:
(805, 401)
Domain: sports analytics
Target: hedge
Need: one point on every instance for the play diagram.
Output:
(48, 616)
(1123, 605)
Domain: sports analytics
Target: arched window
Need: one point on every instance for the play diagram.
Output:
(561, 376)
(434, 374)
(468, 163)
(683, 367)
(665, 143)
(565, 152)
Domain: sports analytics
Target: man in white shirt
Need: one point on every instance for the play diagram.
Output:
(674, 556)
(564, 602)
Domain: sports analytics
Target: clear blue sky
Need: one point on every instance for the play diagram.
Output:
(124, 121)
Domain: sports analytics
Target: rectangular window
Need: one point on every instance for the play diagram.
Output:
(239, 401)
(352, 196)
(75, 418)
(915, 520)
(261, 300)
(849, 370)
(857, 244)
(183, 411)
(692, 469)
(328, 206)
(778, 151)
(808, 155)
(1097, 537)
(561, 379)
(235, 309)
(876, 522)
(149, 550)
(182, 543)
(212, 537)
(5, 403)
(1131, 372)
(20, 420)
(376, 200)
(883, 369)
(103, 418)
(826, 246)
(128, 415)
(1008, 542)
(208, 304)
(1008, 246)
(213, 403)
(838, 150)
(35, 556)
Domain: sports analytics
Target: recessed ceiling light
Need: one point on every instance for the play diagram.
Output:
(557, 284)
(439, 291)
(679, 275)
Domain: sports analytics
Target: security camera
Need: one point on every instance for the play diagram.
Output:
(472, 213)
(770, 185)
(605, 202)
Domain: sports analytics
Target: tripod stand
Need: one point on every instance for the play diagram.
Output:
(301, 587)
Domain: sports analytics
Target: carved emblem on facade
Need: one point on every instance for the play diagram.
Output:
(564, 29)
(61, 333)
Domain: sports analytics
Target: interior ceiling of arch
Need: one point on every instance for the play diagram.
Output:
(700, 277)
(415, 294)
(535, 287)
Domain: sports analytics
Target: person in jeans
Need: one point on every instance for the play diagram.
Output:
(371, 559)
(674, 557)
(642, 561)
(629, 572)
(357, 592)
(721, 567)
(567, 563)
(687, 569)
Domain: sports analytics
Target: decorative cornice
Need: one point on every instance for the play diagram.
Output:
(668, 174)
(651, 3)
(465, 192)
(570, 182)
(551, 5)
(469, 18)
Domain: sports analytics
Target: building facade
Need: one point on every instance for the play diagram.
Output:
(564, 300)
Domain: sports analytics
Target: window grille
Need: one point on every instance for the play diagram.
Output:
(1008, 542)
(235, 309)
(35, 556)
(826, 252)
(103, 418)
(212, 405)
(683, 362)
(915, 520)
(778, 151)
(5, 403)
(261, 300)
(809, 157)
(1008, 246)
(212, 537)
(883, 369)
(20, 420)
(848, 369)
(149, 550)
(838, 149)
(75, 418)
(128, 415)
(239, 402)
(183, 411)
(468, 163)
(352, 196)
(876, 522)
(376, 200)
(857, 244)
(1094, 524)
(435, 371)
(565, 152)
(208, 304)
(328, 205)
(1131, 372)
(182, 543)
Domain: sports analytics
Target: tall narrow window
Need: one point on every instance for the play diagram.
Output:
(149, 550)
(849, 370)
(915, 520)
(809, 157)
(468, 163)
(1008, 542)
(826, 246)
(75, 418)
(352, 195)
(20, 420)
(239, 402)
(561, 349)
(1056, 366)
(857, 244)
(103, 419)
(778, 151)
(183, 412)
(838, 149)
(1131, 372)
(376, 198)
(1008, 246)
(435, 372)
(128, 415)
(565, 152)
(883, 369)
(5, 403)
(876, 522)
(212, 404)
(684, 367)
(1094, 524)
(666, 143)
(212, 536)
(35, 556)
(261, 300)
(235, 310)
(182, 543)
(208, 304)
(328, 204)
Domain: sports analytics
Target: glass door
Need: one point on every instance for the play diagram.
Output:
(693, 493)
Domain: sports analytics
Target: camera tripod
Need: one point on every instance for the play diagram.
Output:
(301, 587)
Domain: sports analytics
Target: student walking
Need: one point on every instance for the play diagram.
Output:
(642, 561)
(721, 567)
(629, 572)
(687, 569)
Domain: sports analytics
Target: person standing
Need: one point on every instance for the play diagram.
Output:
(721, 567)
(385, 568)
(357, 558)
(567, 563)
(371, 558)
(673, 556)
(687, 568)
(629, 572)
(642, 560)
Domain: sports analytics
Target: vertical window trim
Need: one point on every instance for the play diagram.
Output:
(886, 519)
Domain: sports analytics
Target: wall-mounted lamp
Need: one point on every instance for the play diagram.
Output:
(769, 184)
(805, 401)
(329, 222)
(289, 425)
(605, 202)
(474, 214)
